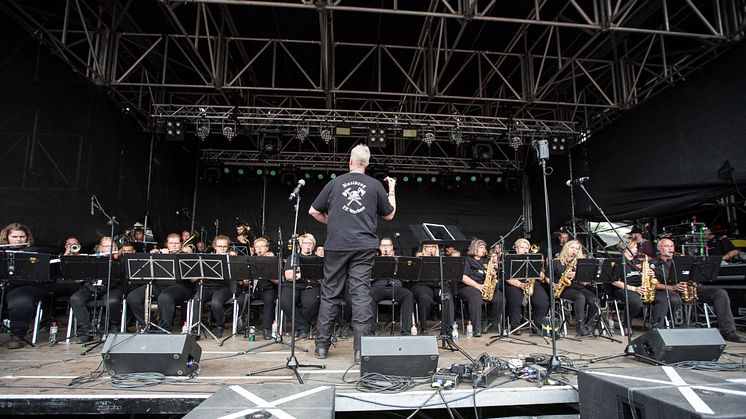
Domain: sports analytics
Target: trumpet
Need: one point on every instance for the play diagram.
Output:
(535, 248)
(187, 246)
(74, 248)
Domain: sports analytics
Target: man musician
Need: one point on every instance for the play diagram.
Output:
(576, 292)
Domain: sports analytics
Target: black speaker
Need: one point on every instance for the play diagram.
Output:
(166, 354)
(407, 356)
(675, 345)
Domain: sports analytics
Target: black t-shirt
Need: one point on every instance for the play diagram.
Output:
(663, 270)
(475, 269)
(719, 246)
(353, 202)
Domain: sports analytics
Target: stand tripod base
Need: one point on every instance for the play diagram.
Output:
(292, 364)
(446, 342)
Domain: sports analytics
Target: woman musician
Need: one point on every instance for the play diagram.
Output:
(576, 292)
(634, 287)
(472, 286)
(516, 288)
(21, 298)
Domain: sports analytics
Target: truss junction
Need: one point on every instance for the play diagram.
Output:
(447, 73)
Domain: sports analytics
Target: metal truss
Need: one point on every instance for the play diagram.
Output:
(340, 162)
(558, 67)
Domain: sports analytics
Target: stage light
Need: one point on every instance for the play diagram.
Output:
(482, 151)
(557, 146)
(226, 170)
(229, 130)
(333, 176)
(320, 176)
(487, 179)
(259, 172)
(326, 133)
(516, 142)
(270, 144)
(174, 130)
(428, 137)
(241, 172)
(409, 133)
(498, 179)
(405, 179)
(342, 131)
(458, 178)
(273, 172)
(419, 179)
(301, 132)
(455, 136)
(289, 179)
(473, 178)
(448, 182)
(203, 128)
(211, 175)
(307, 175)
(433, 179)
(377, 137)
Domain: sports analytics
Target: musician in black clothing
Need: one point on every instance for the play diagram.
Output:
(21, 300)
(306, 294)
(517, 287)
(218, 292)
(384, 288)
(426, 295)
(266, 288)
(576, 292)
(663, 270)
(720, 246)
(634, 289)
(715, 296)
(472, 286)
(89, 291)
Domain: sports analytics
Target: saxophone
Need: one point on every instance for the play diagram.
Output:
(689, 294)
(490, 281)
(529, 290)
(648, 282)
(564, 281)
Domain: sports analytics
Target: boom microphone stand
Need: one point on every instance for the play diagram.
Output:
(292, 363)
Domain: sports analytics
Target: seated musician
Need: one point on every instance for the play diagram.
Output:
(715, 296)
(96, 289)
(577, 292)
(388, 288)
(634, 288)
(426, 293)
(644, 246)
(243, 235)
(186, 245)
(139, 239)
(176, 293)
(319, 250)
(516, 288)
(267, 288)
(63, 288)
(218, 292)
(21, 299)
(136, 297)
(307, 295)
(720, 246)
(663, 271)
(472, 287)
(72, 247)
(127, 247)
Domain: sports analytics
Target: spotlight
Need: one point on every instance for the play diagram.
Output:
(516, 142)
(301, 132)
(289, 178)
(482, 151)
(326, 133)
(211, 175)
(229, 130)
(428, 137)
(174, 130)
(557, 146)
(270, 144)
(377, 137)
(203, 128)
(455, 136)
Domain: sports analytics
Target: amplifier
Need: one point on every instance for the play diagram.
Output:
(675, 345)
(407, 356)
(166, 354)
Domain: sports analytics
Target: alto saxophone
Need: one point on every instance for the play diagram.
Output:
(564, 281)
(490, 281)
(528, 291)
(648, 282)
(689, 294)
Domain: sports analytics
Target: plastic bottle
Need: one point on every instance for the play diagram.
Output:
(185, 328)
(454, 331)
(469, 330)
(274, 329)
(252, 334)
(611, 325)
(53, 332)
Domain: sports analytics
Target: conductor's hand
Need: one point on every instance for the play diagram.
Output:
(391, 182)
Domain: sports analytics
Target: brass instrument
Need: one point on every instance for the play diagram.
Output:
(564, 281)
(188, 247)
(528, 290)
(490, 281)
(74, 248)
(534, 248)
(648, 282)
(689, 294)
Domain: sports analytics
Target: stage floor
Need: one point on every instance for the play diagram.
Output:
(42, 380)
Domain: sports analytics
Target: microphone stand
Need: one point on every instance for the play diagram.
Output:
(112, 222)
(292, 363)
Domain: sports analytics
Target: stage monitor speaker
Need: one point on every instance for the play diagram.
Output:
(166, 354)
(407, 356)
(676, 345)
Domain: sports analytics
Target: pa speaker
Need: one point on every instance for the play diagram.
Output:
(407, 356)
(676, 345)
(166, 354)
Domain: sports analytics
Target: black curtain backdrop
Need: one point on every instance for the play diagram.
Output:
(663, 157)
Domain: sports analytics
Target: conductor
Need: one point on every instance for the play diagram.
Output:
(349, 206)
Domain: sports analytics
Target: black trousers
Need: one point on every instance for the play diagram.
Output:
(514, 299)
(580, 297)
(634, 305)
(425, 296)
(169, 298)
(718, 298)
(402, 296)
(473, 299)
(21, 303)
(306, 305)
(136, 302)
(660, 306)
(217, 297)
(269, 298)
(352, 268)
(80, 300)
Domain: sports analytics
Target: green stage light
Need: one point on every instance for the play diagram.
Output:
(499, 179)
(458, 178)
(473, 178)
(333, 176)
(487, 179)
(226, 170)
(240, 172)
(405, 178)
(320, 176)
(433, 179)
(419, 179)
(259, 172)
(307, 176)
(273, 172)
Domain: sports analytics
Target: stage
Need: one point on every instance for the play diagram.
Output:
(47, 380)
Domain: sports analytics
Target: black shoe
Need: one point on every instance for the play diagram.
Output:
(218, 332)
(732, 337)
(267, 334)
(356, 358)
(299, 334)
(343, 332)
(477, 334)
(84, 338)
(321, 352)
(517, 333)
(15, 342)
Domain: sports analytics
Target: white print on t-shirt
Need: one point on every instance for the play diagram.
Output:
(354, 196)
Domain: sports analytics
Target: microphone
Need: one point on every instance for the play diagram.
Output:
(92, 213)
(295, 192)
(579, 181)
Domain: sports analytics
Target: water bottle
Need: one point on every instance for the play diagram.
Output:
(611, 325)
(185, 328)
(53, 332)
(413, 329)
(454, 331)
(469, 330)
(274, 329)
(252, 334)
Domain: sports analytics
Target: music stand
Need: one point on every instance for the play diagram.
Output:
(28, 268)
(525, 267)
(696, 269)
(240, 249)
(198, 267)
(598, 271)
(147, 268)
(393, 268)
(238, 270)
(311, 269)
